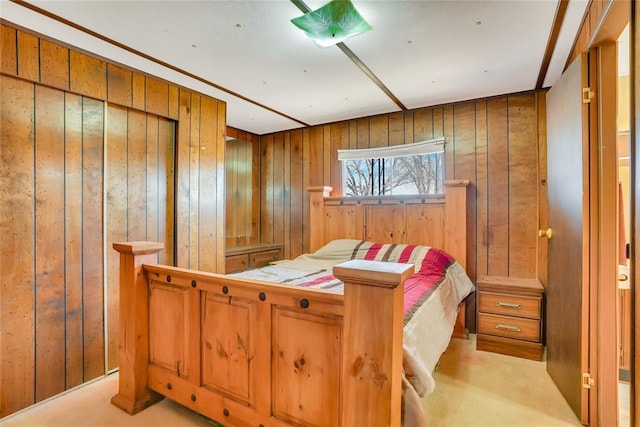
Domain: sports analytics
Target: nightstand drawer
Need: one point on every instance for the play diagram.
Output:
(236, 263)
(261, 259)
(240, 258)
(510, 327)
(509, 305)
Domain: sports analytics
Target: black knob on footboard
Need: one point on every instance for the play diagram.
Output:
(262, 296)
(225, 412)
(304, 303)
(225, 290)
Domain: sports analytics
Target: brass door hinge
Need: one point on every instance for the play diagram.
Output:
(587, 381)
(587, 95)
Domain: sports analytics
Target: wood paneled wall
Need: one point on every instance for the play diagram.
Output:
(499, 144)
(92, 152)
(242, 163)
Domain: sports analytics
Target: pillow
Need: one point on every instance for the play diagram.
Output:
(426, 260)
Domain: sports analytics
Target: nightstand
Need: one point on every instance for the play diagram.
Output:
(510, 316)
(242, 258)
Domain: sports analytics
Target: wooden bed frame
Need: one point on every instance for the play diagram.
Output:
(250, 353)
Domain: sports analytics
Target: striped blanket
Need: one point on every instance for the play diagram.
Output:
(431, 294)
(430, 265)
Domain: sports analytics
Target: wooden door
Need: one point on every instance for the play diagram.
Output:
(567, 291)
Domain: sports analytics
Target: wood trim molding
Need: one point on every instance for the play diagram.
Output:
(553, 40)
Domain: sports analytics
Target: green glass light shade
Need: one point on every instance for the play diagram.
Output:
(333, 23)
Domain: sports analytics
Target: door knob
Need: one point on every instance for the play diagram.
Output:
(548, 233)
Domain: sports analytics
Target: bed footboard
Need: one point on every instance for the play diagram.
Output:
(250, 353)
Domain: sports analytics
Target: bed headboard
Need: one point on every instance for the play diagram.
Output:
(439, 222)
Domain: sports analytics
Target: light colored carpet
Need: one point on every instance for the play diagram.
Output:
(478, 388)
(473, 388)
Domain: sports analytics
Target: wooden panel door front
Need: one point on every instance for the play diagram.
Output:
(385, 223)
(567, 290)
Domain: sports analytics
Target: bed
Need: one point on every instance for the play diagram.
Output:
(325, 346)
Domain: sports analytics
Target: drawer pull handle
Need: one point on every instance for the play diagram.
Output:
(507, 327)
(509, 304)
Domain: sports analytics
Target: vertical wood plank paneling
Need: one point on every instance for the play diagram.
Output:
(326, 155)
(151, 168)
(379, 131)
(51, 73)
(498, 187)
(464, 158)
(316, 155)
(87, 75)
(353, 134)
(423, 124)
(278, 188)
(136, 176)
(92, 237)
(286, 179)
(174, 102)
(233, 195)
(17, 244)
(464, 135)
(157, 97)
(396, 129)
(408, 127)
(523, 184)
(166, 192)
(49, 242)
(362, 133)
(138, 91)
(448, 121)
(194, 184)
(219, 145)
(70, 197)
(438, 124)
(306, 182)
(256, 189)
(73, 241)
(28, 57)
(207, 183)
(117, 224)
(266, 201)
(119, 89)
(339, 141)
(8, 51)
(183, 194)
(248, 192)
(481, 185)
(297, 191)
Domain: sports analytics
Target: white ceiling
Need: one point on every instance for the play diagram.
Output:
(425, 52)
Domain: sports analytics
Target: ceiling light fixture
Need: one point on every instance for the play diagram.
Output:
(333, 23)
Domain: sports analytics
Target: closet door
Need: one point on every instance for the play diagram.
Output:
(139, 196)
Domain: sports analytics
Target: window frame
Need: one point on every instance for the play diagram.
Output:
(432, 146)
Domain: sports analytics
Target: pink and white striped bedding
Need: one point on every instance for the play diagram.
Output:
(432, 294)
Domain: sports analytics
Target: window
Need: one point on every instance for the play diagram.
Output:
(416, 168)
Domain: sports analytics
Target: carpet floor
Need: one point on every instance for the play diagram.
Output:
(478, 388)
(473, 388)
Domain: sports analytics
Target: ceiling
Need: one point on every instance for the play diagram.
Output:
(273, 78)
